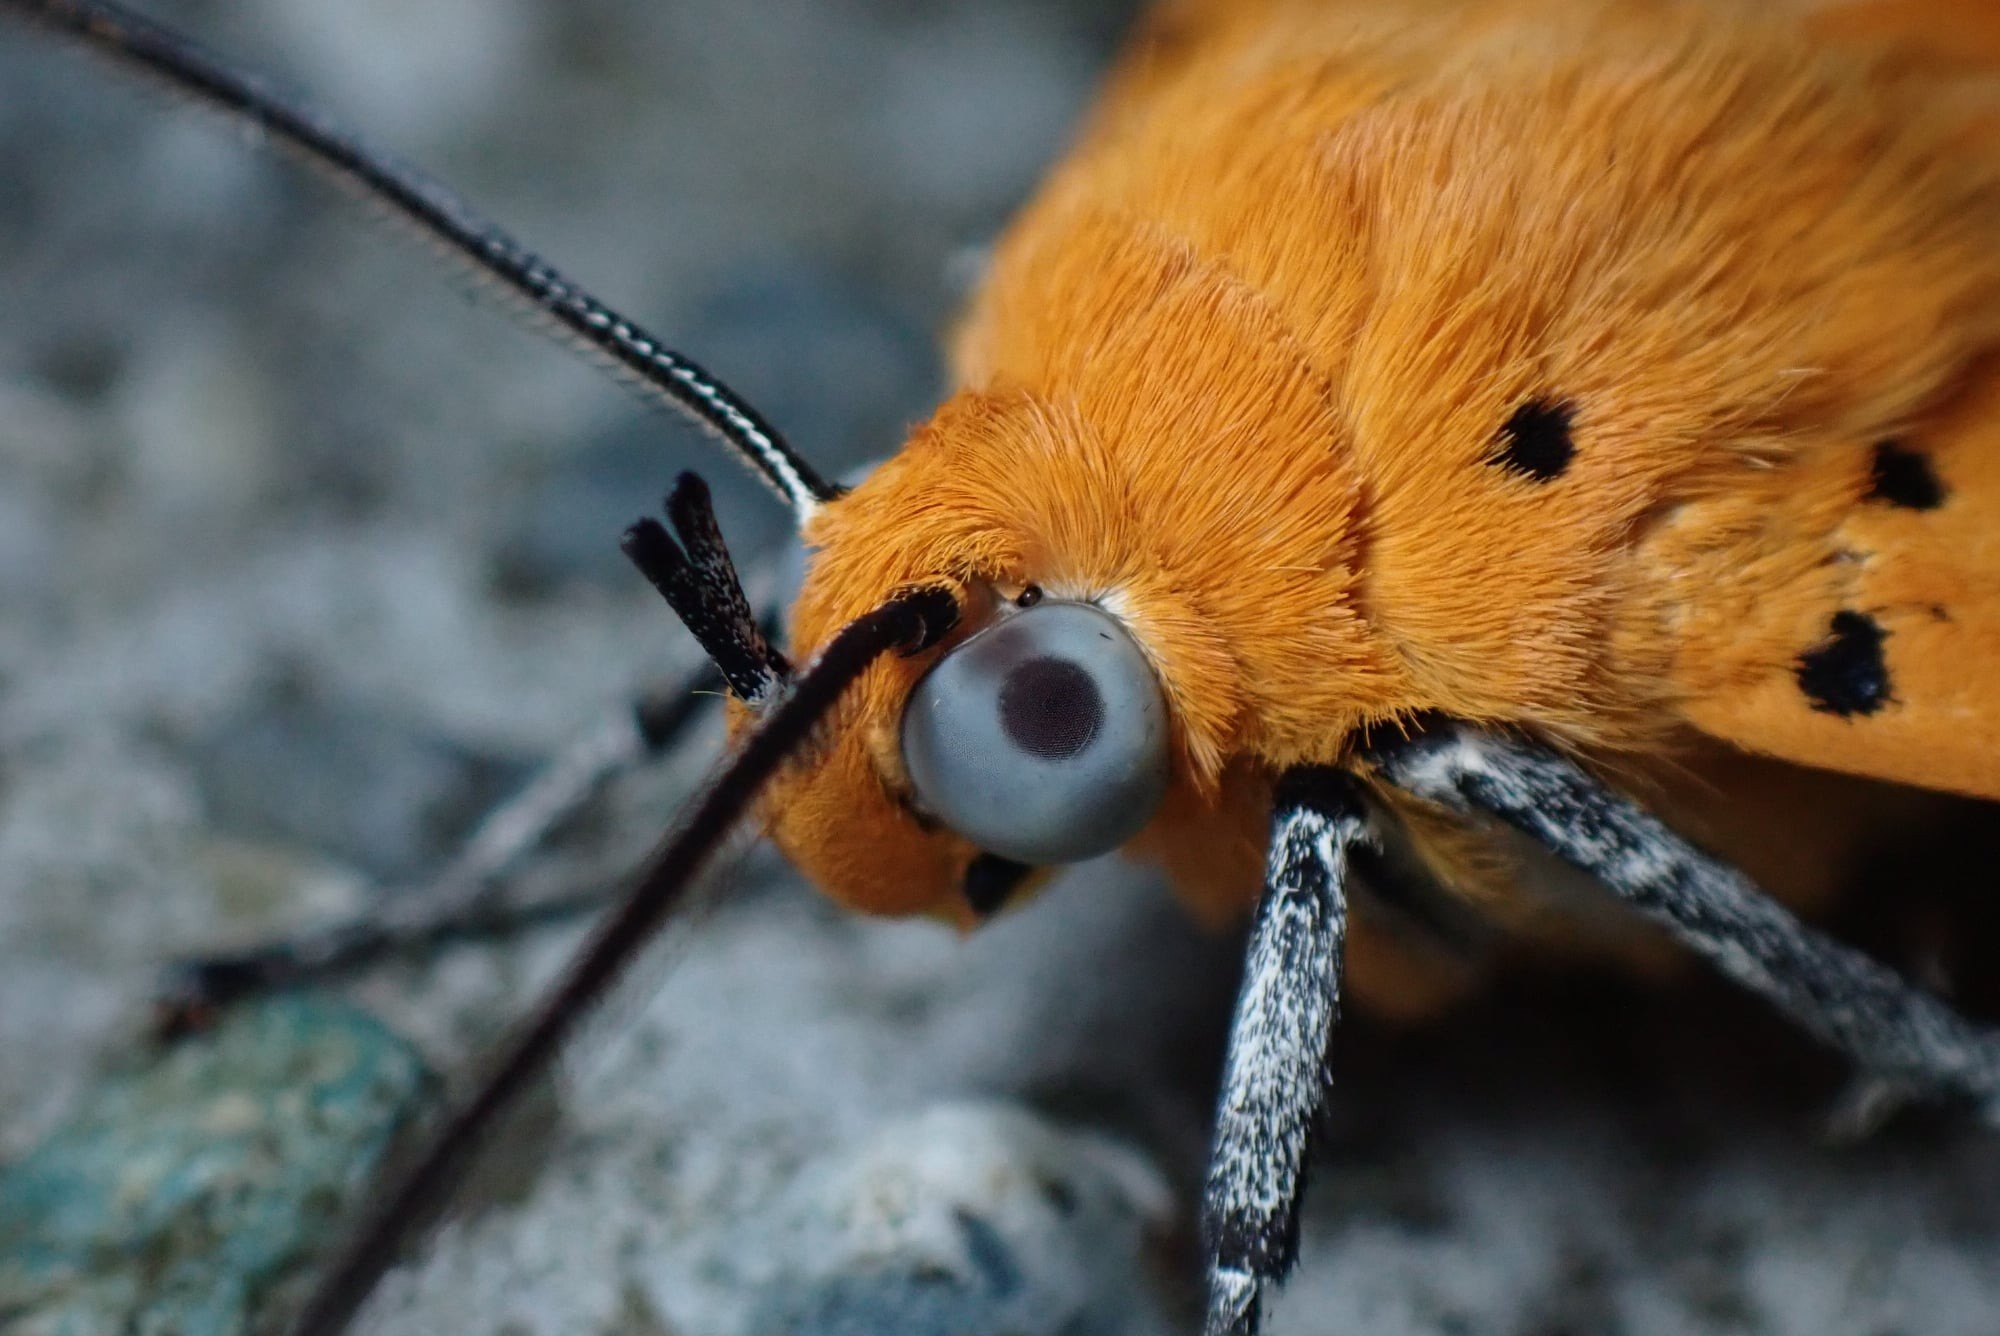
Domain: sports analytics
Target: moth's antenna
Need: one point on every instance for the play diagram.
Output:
(662, 374)
(909, 622)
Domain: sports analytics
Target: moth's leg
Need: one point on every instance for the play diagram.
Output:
(1893, 1029)
(1275, 1078)
(467, 897)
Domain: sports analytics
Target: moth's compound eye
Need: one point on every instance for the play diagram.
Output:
(1043, 738)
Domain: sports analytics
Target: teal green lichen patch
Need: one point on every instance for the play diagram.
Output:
(182, 1194)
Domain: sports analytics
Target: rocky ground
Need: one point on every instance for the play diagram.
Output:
(304, 559)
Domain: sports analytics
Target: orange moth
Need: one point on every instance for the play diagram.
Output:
(1439, 410)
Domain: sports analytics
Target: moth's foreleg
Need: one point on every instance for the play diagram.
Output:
(467, 897)
(1275, 1078)
(1888, 1025)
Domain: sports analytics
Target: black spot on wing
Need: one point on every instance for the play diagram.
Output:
(1535, 442)
(1845, 674)
(1902, 477)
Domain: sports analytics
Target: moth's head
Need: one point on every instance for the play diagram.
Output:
(1036, 734)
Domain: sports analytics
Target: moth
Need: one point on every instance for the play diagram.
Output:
(1390, 425)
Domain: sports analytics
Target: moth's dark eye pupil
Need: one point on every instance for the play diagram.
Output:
(1535, 442)
(1050, 708)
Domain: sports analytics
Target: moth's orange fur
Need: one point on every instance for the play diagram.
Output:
(1238, 371)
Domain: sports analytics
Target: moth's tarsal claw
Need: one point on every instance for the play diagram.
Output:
(193, 994)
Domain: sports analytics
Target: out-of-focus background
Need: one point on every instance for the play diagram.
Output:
(305, 559)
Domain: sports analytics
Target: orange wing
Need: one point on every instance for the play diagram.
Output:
(1875, 647)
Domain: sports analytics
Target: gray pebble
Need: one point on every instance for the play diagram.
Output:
(967, 1220)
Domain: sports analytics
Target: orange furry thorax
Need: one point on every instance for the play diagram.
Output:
(1237, 375)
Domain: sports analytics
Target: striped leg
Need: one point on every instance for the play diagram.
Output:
(1888, 1026)
(1275, 1078)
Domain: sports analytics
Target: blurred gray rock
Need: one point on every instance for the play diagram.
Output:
(385, 796)
(965, 1220)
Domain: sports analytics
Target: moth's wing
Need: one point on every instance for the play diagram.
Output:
(1845, 564)
(1846, 614)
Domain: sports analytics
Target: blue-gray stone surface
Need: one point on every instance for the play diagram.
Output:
(180, 1196)
(963, 1220)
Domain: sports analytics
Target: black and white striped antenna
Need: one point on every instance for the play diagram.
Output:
(662, 375)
